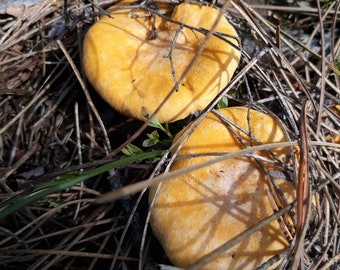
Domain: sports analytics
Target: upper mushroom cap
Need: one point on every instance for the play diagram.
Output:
(197, 212)
(131, 71)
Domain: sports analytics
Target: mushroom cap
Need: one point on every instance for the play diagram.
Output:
(197, 212)
(132, 72)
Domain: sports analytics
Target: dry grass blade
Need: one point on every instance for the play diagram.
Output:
(303, 193)
(134, 188)
(87, 94)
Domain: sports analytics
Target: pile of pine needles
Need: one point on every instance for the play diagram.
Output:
(62, 147)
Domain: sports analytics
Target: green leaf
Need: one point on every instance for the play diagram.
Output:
(154, 122)
(153, 135)
(153, 139)
(132, 150)
(223, 103)
(149, 143)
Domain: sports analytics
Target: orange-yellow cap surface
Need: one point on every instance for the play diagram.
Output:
(132, 71)
(197, 212)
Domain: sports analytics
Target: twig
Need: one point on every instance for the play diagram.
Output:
(64, 253)
(323, 56)
(172, 47)
(80, 157)
(299, 10)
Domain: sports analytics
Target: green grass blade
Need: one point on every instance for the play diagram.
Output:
(66, 181)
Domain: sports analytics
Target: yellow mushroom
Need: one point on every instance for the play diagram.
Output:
(127, 60)
(195, 213)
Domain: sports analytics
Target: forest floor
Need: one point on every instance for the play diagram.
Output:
(62, 147)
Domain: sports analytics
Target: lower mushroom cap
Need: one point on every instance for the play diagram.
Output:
(133, 71)
(195, 213)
